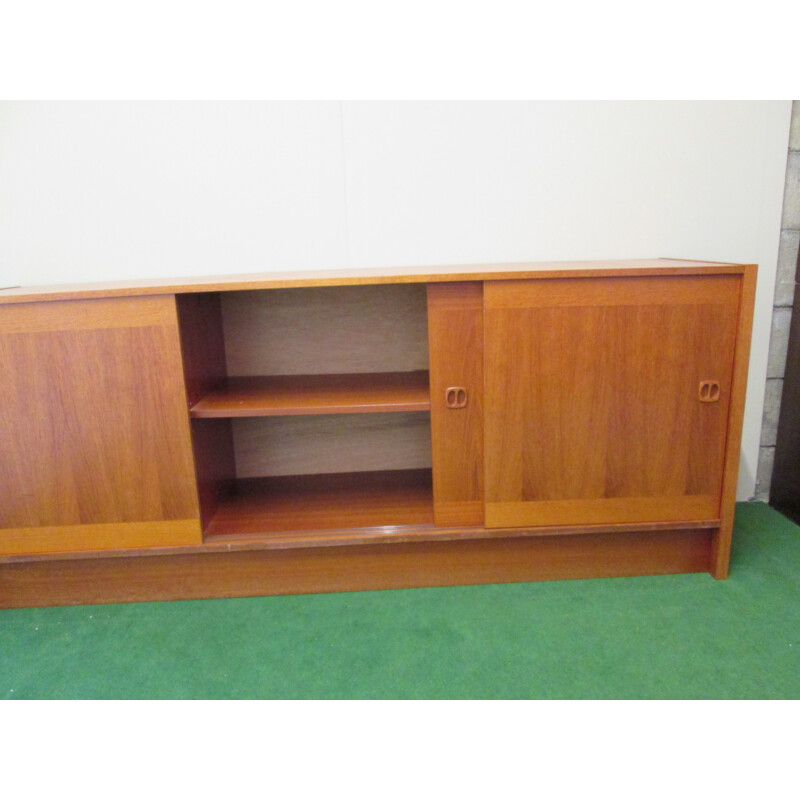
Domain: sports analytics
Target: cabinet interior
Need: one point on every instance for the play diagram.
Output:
(310, 407)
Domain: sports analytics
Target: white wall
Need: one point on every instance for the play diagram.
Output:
(106, 191)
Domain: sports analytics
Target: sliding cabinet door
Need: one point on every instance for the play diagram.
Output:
(607, 398)
(94, 427)
(455, 337)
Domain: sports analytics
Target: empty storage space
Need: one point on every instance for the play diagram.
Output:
(327, 472)
(310, 407)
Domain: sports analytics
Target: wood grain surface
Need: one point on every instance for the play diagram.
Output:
(215, 463)
(330, 501)
(592, 409)
(120, 312)
(94, 537)
(93, 418)
(341, 569)
(286, 395)
(374, 276)
(455, 340)
(204, 369)
(202, 344)
(721, 543)
(347, 537)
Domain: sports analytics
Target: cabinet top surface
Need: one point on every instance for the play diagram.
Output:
(354, 277)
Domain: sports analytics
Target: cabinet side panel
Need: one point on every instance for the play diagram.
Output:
(94, 419)
(455, 336)
(204, 366)
(721, 543)
(202, 343)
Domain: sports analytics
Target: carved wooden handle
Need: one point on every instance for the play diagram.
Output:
(455, 397)
(709, 391)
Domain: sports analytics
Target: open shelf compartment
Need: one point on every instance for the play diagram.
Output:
(310, 409)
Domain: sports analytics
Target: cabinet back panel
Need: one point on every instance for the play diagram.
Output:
(326, 330)
(330, 443)
(203, 350)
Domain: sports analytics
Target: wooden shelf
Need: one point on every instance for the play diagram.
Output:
(283, 395)
(325, 502)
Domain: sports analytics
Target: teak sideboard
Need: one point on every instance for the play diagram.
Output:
(370, 429)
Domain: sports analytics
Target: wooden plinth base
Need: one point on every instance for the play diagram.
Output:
(246, 573)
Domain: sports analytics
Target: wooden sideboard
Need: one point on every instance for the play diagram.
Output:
(370, 429)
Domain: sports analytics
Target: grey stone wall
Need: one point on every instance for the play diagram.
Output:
(782, 311)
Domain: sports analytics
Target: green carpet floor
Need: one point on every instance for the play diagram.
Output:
(685, 636)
